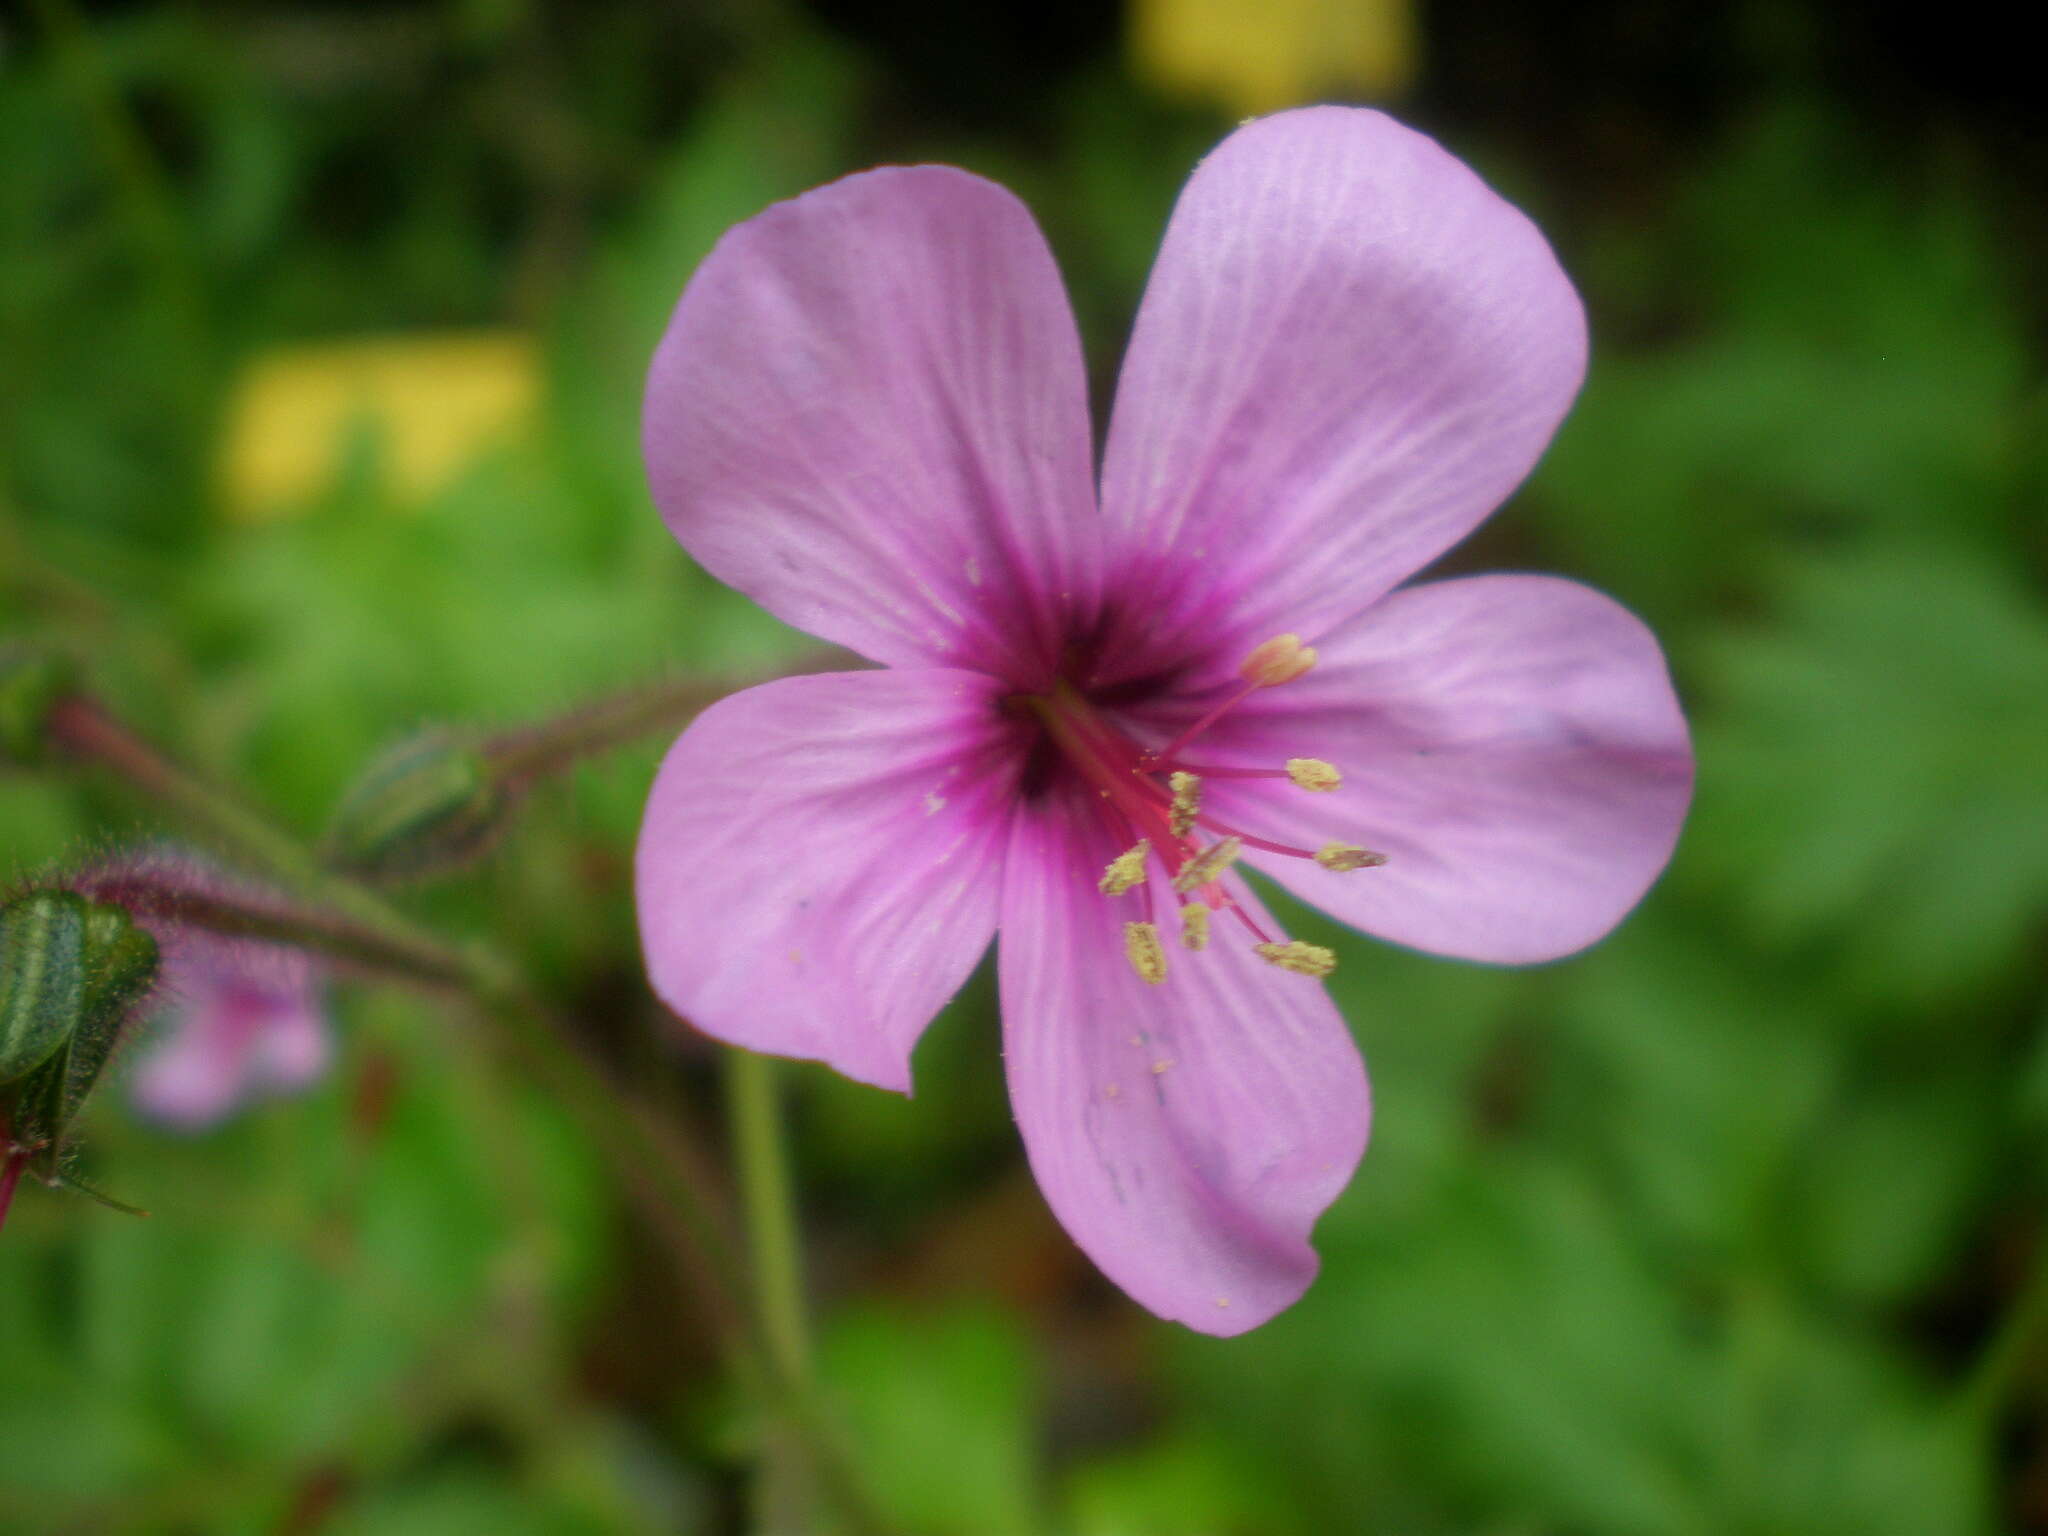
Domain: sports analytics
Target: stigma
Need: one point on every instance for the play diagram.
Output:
(1151, 799)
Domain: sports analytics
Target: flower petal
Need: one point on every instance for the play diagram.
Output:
(1187, 1134)
(870, 415)
(243, 1021)
(1350, 352)
(821, 860)
(1512, 743)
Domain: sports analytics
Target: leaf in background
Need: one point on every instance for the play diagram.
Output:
(1517, 1356)
(941, 1405)
(1693, 1072)
(1871, 771)
(1854, 370)
(324, 1293)
(1188, 1484)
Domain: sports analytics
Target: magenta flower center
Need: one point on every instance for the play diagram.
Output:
(1149, 800)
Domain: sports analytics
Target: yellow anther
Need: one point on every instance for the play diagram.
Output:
(1194, 926)
(1342, 856)
(1125, 870)
(1279, 660)
(1313, 774)
(1302, 959)
(1187, 801)
(1143, 949)
(1207, 865)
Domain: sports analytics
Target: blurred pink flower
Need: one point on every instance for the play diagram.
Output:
(239, 1021)
(231, 1019)
(869, 414)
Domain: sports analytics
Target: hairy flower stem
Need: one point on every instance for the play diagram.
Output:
(538, 751)
(388, 954)
(659, 1166)
(83, 728)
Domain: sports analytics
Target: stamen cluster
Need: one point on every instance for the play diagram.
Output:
(1151, 801)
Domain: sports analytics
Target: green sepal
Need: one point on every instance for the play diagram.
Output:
(73, 972)
(78, 1186)
(43, 981)
(121, 967)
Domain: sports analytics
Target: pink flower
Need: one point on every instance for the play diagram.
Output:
(239, 1021)
(230, 1019)
(869, 414)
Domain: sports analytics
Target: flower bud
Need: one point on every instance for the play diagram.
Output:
(42, 978)
(31, 683)
(72, 972)
(430, 804)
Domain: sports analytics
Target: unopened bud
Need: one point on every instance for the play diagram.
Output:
(428, 805)
(42, 978)
(31, 683)
(72, 972)
(122, 964)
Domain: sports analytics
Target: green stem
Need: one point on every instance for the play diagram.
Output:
(754, 1101)
(760, 1149)
(268, 921)
(82, 727)
(536, 751)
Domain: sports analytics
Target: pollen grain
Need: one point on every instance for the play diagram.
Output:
(1302, 959)
(1143, 949)
(1125, 870)
(1313, 775)
(1342, 856)
(1279, 660)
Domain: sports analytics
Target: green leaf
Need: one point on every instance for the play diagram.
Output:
(941, 1406)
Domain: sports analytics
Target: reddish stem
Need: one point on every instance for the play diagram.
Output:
(10, 1175)
(1153, 760)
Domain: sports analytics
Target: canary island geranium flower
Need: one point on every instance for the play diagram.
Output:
(869, 414)
(231, 1019)
(239, 1022)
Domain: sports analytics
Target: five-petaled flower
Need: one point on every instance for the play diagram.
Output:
(869, 414)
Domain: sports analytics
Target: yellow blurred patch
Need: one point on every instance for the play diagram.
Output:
(434, 402)
(1258, 56)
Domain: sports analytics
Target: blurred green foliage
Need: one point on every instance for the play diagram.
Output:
(1723, 1227)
